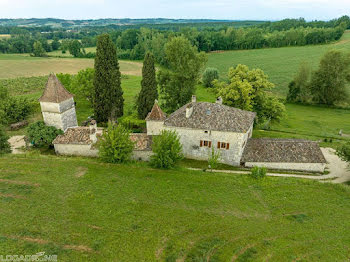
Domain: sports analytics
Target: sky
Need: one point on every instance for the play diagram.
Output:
(210, 9)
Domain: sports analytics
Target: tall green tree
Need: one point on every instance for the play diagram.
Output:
(108, 94)
(329, 82)
(299, 88)
(74, 48)
(149, 92)
(38, 49)
(178, 80)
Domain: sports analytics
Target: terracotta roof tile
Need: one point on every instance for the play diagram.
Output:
(54, 91)
(78, 135)
(282, 151)
(212, 116)
(156, 113)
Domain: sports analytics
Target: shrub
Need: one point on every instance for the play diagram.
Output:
(258, 172)
(115, 145)
(41, 135)
(167, 150)
(131, 122)
(344, 152)
(213, 159)
(210, 74)
(4, 144)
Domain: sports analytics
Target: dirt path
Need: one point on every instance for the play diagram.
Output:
(17, 142)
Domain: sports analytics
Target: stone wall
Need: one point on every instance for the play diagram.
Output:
(141, 155)
(75, 150)
(154, 127)
(190, 140)
(308, 167)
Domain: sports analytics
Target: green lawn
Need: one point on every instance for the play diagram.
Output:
(280, 64)
(135, 213)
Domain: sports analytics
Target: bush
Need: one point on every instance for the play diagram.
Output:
(4, 144)
(258, 172)
(210, 74)
(115, 145)
(167, 150)
(344, 152)
(131, 122)
(41, 135)
(213, 159)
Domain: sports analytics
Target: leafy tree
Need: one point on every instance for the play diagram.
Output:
(108, 94)
(74, 48)
(246, 90)
(66, 80)
(299, 88)
(167, 150)
(149, 92)
(328, 83)
(55, 45)
(177, 81)
(4, 144)
(14, 109)
(38, 49)
(115, 145)
(210, 74)
(41, 135)
(83, 84)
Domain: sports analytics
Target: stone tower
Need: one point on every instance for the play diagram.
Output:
(155, 120)
(57, 105)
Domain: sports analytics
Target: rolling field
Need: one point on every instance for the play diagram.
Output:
(16, 65)
(85, 210)
(280, 64)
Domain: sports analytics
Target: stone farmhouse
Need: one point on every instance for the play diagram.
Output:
(201, 127)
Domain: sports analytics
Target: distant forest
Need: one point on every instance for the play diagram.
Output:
(136, 37)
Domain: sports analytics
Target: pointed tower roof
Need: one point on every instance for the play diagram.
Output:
(156, 113)
(54, 91)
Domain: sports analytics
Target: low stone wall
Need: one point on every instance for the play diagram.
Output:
(308, 167)
(141, 155)
(75, 150)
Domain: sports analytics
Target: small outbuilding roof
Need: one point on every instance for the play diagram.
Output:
(77, 135)
(282, 151)
(54, 91)
(156, 113)
(212, 116)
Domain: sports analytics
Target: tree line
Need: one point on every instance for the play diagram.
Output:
(134, 43)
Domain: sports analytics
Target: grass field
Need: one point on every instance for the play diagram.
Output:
(280, 64)
(16, 65)
(85, 210)
(5, 36)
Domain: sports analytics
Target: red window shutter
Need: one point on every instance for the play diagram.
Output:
(201, 143)
(228, 146)
(218, 144)
(209, 143)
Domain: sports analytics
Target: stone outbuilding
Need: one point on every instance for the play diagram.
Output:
(284, 154)
(57, 105)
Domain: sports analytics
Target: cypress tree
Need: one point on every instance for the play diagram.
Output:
(149, 92)
(108, 94)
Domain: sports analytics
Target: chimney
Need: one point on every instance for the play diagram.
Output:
(93, 129)
(189, 110)
(194, 99)
(219, 100)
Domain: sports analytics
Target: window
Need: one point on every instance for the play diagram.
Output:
(205, 143)
(223, 145)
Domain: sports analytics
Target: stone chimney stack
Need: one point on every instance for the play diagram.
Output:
(189, 111)
(93, 130)
(219, 100)
(194, 99)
